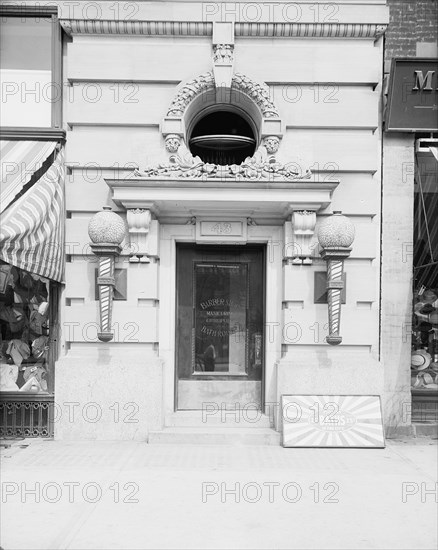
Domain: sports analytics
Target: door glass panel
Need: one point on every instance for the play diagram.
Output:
(221, 304)
(219, 329)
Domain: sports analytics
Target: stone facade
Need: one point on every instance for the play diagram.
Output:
(135, 88)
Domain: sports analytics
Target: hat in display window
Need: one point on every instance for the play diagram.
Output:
(420, 359)
(429, 297)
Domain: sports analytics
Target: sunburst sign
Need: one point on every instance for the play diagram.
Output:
(332, 421)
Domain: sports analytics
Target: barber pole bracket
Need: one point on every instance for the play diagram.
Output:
(107, 231)
(335, 235)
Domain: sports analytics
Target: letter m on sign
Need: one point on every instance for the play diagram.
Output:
(423, 82)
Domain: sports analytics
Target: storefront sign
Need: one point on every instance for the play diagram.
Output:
(413, 95)
(332, 421)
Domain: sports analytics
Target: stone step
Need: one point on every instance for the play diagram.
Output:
(214, 436)
(236, 419)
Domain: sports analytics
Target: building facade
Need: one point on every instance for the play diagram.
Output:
(409, 239)
(226, 139)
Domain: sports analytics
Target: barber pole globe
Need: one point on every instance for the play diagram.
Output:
(107, 231)
(335, 236)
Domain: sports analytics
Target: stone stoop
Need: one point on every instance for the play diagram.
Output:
(190, 427)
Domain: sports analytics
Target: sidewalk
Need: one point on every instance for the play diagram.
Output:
(128, 495)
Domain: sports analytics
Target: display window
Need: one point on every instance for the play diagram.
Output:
(25, 331)
(424, 357)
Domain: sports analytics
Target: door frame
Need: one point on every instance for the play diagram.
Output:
(261, 248)
(170, 235)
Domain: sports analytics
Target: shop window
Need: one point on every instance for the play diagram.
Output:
(222, 137)
(30, 75)
(424, 360)
(28, 338)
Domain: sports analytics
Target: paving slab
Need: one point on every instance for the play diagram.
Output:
(129, 495)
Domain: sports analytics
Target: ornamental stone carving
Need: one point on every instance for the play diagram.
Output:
(257, 92)
(257, 167)
(189, 91)
(271, 143)
(223, 54)
(172, 143)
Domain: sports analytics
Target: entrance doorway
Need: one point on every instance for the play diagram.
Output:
(220, 319)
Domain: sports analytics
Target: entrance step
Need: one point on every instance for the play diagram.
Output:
(237, 419)
(208, 435)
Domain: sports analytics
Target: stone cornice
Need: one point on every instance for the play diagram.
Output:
(274, 200)
(147, 28)
(200, 28)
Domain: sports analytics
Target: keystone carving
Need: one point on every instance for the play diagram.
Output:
(223, 54)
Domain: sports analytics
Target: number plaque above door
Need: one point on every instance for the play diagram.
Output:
(221, 231)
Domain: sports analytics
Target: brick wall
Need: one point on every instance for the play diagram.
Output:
(410, 22)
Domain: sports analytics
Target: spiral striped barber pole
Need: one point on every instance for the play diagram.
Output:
(335, 270)
(106, 289)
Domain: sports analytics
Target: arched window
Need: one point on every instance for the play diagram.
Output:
(222, 137)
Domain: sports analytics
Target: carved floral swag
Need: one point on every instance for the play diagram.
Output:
(259, 166)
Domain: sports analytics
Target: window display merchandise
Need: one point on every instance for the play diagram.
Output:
(24, 331)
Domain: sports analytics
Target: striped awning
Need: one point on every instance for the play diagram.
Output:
(32, 228)
(19, 162)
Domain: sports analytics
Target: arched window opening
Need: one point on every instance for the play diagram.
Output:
(222, 137)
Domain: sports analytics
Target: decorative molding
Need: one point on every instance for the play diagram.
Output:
(189, 91)
(259, 93)
(147, 28)
(257, 167)
(139, 222)
(201, 28)
(311, 30)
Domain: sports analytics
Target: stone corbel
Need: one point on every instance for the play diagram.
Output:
(303, 228)
(223, 56)
(139, 221)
